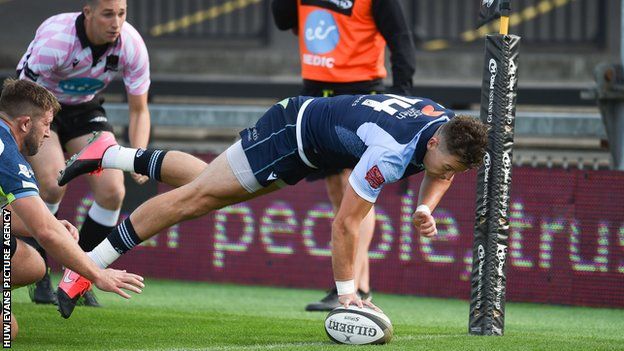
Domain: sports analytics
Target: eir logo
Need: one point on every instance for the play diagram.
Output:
(374, 177)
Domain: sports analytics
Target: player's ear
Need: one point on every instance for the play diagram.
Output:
(24, 123)
(433, 142)
(86, 10)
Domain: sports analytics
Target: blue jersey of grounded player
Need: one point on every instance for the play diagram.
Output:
(17, 179)
(382, 137)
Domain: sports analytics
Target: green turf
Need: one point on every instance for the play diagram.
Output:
(172, 315)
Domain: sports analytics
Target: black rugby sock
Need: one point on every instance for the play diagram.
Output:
(123, 238)
(149, 162)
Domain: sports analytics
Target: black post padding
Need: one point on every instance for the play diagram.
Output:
(498, 110)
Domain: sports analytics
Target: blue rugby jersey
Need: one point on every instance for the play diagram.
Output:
(17, 179)
(382, 137)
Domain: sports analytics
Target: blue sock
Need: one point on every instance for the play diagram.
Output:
(123, 238)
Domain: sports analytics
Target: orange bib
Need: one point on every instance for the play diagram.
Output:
(339, 41)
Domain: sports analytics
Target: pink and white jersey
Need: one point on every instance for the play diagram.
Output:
(61, 60)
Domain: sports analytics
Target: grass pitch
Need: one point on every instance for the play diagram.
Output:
(173, 315)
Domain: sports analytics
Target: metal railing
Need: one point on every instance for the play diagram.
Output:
(539, 22)
(548, 23)
(201, 19)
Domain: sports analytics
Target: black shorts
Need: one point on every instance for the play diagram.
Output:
(13, 245)
(77, 120)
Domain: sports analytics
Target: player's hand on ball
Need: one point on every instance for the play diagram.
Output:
(139, 178)
(354, 299)
(424, 223)
(350, 299)
(70, 228)
(113, 280)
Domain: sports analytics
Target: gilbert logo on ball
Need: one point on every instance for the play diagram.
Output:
(358, 326)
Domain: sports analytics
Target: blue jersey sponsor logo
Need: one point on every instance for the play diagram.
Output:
(321, 32)
(81, 86)
(25, 171)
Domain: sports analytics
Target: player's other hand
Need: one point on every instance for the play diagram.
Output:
(70, 228)
(139, 178)
(424, 223)
(113, 280)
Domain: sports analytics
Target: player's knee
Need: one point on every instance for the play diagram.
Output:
(50, 192)
(111, 197)
(194, 209)
(40, 271)
(36, 266)
(198, 205)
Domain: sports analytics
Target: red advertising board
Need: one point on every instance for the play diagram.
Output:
(566, 241)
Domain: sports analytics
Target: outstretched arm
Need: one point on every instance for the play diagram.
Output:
(345, 233)
(431, 191)
(19, 227)
(58, 242)
(53, 236)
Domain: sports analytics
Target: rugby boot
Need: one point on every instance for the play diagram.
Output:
(89, 159)
(89, 300)
(41, 292)
(71, 287)
(328, 303)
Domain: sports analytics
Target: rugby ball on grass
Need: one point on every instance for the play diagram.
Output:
(358, 326)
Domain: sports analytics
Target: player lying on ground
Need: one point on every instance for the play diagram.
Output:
(26, 112)
(384, 138)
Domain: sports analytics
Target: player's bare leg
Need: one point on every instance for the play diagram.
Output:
(27, 265)
(109, 191)
(47, 164)
(174, 168)
(215, 187)
(172, 174)
(14, 327)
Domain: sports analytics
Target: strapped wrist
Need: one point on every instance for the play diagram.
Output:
(423, 208)
(345, 287)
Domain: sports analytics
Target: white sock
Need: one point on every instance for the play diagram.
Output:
(53, 207)
(104, 216)
(119, 157)
(104, 254)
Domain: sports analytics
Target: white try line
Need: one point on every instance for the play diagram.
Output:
(249, 347)
(293, 345)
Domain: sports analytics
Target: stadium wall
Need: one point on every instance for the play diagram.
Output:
(566, 242)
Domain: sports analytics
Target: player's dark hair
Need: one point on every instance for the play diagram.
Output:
(26, 98)
(466, 137)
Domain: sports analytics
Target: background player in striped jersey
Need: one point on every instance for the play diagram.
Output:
(75, 56)
(26, 112)
(384, 138)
